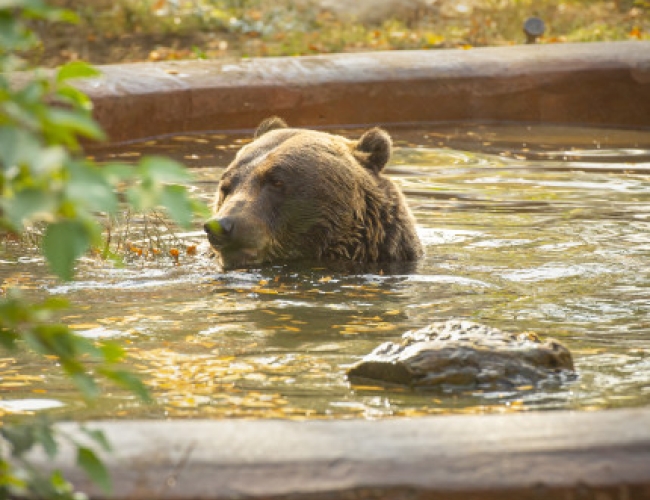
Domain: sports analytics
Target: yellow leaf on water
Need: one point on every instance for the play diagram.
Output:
(368, 387)
(84, 326)
(23, 378)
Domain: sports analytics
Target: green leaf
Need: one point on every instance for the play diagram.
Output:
(14, 36)
(54, 304)
(9, 481)
(161, 169)
(112, 352)
(200, 208)
(174, 199)
(33, 92)
(88, 185)
(21, 4)
(17, 147)
(76, 69)
(85, 383)
(75, 97)
(37, 9)
(47, 160)
(93, 466)
(143, 197)
(129, 381)
(7, 338)
(21, 438)
(57, 339)
(61, 485)
(45, 436)
(26, 204)
(63, 243)
(118, 172)
(98, 436)
(61, 15)
(34, 341)
(75, 121)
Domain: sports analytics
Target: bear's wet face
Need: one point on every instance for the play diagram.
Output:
(296, 194)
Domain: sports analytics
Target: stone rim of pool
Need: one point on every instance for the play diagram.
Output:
(518, 456)
(565, 454)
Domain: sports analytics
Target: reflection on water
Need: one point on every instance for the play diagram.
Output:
(525, 228)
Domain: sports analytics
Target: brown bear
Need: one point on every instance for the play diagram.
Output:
(295, 194)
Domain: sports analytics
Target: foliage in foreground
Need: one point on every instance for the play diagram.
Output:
(45, 180)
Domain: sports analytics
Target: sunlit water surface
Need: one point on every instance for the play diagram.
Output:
(525, 228)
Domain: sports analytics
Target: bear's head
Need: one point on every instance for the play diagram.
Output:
(295, 194)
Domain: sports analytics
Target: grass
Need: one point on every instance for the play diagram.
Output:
(132, 30)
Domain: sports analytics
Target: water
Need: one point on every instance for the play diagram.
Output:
(526, 228)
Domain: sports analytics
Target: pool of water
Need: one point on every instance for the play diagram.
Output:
(525, 228)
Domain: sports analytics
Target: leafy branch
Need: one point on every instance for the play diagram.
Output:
(46, 180)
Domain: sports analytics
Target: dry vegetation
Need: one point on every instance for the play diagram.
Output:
(133, 30)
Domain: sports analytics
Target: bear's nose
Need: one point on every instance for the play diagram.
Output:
(217, 227)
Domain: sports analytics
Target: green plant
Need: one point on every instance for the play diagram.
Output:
(45, 180)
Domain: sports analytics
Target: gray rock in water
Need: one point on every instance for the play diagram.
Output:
(464, 355)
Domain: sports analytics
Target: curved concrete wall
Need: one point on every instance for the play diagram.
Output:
(582, 84)
(536, 456)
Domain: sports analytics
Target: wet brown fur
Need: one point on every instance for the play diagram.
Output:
(303, 194)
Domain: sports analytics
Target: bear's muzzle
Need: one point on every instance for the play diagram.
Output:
(237, 243)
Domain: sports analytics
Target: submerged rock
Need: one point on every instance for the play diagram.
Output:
(465, 355)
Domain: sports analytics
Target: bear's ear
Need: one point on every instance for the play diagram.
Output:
(374, 149)
(269, 124)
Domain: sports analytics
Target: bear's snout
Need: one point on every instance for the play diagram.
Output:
(219, 227)
(238, 241)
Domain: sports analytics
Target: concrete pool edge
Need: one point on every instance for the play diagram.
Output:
(562, 454)
(591, 84)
